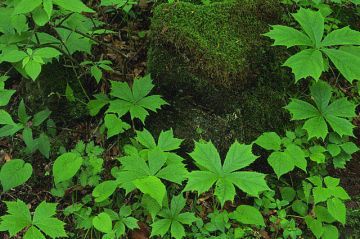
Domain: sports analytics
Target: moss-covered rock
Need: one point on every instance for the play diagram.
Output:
(208, 48)
(216, 56)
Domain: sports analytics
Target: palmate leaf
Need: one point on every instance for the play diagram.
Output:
(172, 219)
(336, 114)
(306, 63)
(19, 217)
(134, 100)
(310, 62)
(145, 171)
(225, 176)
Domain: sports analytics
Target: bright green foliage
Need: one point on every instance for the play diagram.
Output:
(282, 160)
(336, 114)
(14, 173)
(172, 220)
(103, 223)
(42, 222)
(31, 60)
(5, 95)
(145, 169)
(225, 176)
(66, 166)
(27, 123)
(122, 220)
(97, 68)
(123, 4)
(332, 194)
(310, 62)
(134, 100)
(248, 215)
(340, 150)
(104, 190)
(146, 175)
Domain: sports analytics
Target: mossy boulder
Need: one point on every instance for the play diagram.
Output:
(215, 56)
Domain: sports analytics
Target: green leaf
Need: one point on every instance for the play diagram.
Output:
(33, 233)
(337, 209)
(18, 217)
(142, 87)
(346, 59)
(95, 106)
(40, 117)
(330, 232)
(343, 36)
(248, 215)
(5, 96)
(44, 145)
(167, 141)
(177, 230)
(40, 17)
(306, 63)
(69, 93)
(320, 194)
(104, 190)
(281, 163)
(73, 6)
(25, 6)
(323, 215)
(207, 156)
(288, 193)
(103, 223)
(14, 173)
(43, 219)
(316, 127)
(5, 118)
(66, 166)
(13, 55)
(288, 36)
(152, 186)
(251, 183)
(48, 7)
(146, 139)
(301, 110)
(269, 141)
(47, 52)
(96, 73)
(315, 226)
(300, 207)
(33, 69)
(201, 181)
(225, 177)
(312, 23)
(297, 155)
(115, 125)
(239, 156)
(160, 227)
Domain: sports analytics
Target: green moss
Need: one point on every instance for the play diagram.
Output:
(215, 57)
(217, 42)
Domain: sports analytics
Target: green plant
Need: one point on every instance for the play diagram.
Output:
(97, 68)
(134, 100)
(311, 61)
(84, 162)
(28, 124)
(5, 95)
(225, 175)
(14, 173)
(336, 114)
(172, 220)
(285, 157)
(42, 222)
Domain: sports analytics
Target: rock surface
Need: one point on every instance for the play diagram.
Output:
(216, 57)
